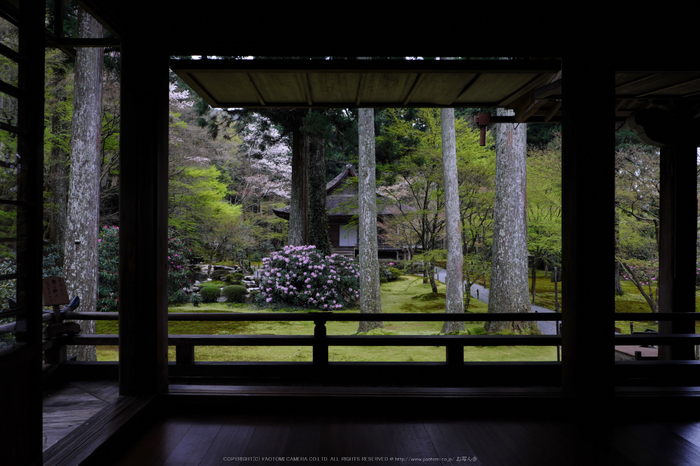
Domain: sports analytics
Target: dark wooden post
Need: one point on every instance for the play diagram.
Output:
(678, 232)
(184, 354)
(320, 348)
(454, 354)
(20, 392)
(588, 224)
(143, 217)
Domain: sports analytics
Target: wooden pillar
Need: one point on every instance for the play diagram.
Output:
(21, 367)
(143, 218)
(678, 233)
(588, 224)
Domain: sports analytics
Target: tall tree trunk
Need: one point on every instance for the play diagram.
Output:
(298, 207)
(653, 303)
(509, 284)
(80, 268)
(370, 294)
(431, 277)
(58, 181)
(318, 217)
(618, 285)
(454, 280)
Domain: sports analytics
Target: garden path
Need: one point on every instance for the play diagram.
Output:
(482, 294)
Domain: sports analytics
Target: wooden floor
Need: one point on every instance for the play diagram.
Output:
(69, 406)
(267, 425)
(371, 438)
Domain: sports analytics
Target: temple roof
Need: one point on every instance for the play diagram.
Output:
(341, 198)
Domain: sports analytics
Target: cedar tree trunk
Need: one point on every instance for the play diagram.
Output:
(298, 207)
(454, 295)
(370, 297)
(318, 217)
(509, 286)
(80, 268)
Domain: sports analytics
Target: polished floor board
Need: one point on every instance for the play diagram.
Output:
(198, 439)
(67, 407)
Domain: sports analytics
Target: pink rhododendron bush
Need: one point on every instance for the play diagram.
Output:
(302, 276)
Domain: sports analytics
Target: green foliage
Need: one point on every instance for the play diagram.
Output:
(219, 275)
(210, 294)
(388, 274)
(301, 276)
(238, 276)
(108, 285)
(414, 180)
(53, 261)
(234, 293)
(8, 288)
(179, 276)
(544, 201)
(229, 279)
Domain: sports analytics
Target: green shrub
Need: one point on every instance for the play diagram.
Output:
(179, 275)
(235, 293)
(219, 274)
(395, 272)
(229, 279)
(237, 277)
(108, 282)
(196, 300)
(210, 294)
(302, 276)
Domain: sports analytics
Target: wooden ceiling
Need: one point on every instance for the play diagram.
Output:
(653, 64)
(365, 83)
(531, 87)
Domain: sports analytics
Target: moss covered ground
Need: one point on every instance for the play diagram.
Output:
(408, 295)
(630, 301)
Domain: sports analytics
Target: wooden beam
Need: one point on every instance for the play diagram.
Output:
(538, 67)
(520, 92)
(467, 87)
(678, 231)
(668, 88)
(417, 81)
(620, 88)
(66, 42)
(255, 90)
(548, 90)
(552, 112)
(143, 218)
(538, 97)
(588, 222)
(361, 89)
(303, 80)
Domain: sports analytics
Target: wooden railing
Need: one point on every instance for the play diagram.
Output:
(454, 369)
(320, 341)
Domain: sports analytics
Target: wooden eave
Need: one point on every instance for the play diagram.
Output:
(363, 83)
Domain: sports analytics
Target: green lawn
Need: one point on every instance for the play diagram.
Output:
(631, 301)
(409, 295)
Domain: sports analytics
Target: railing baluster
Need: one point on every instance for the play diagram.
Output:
(320, 348)
(454, 354)
(184, 354)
